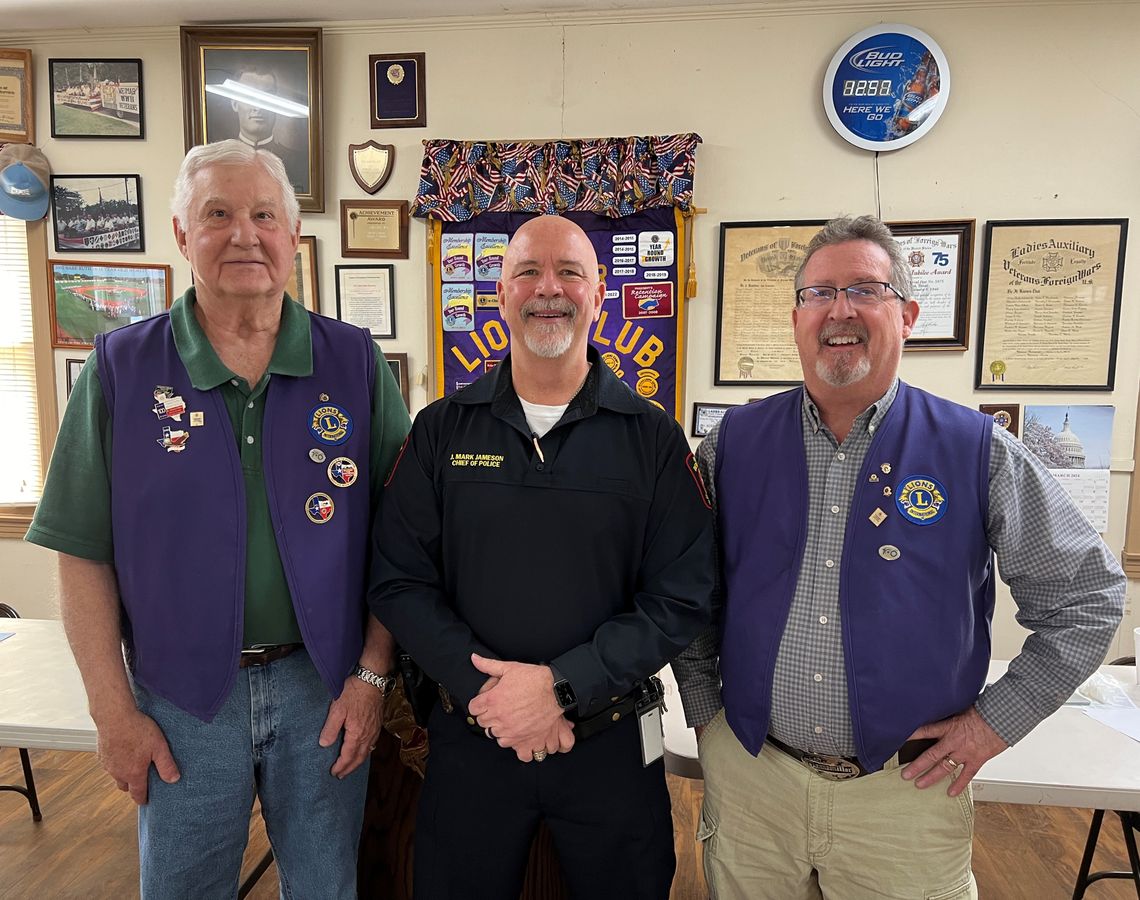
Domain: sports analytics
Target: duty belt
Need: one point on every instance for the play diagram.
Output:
(841, 768)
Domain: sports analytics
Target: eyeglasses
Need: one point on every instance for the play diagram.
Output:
(865, 293)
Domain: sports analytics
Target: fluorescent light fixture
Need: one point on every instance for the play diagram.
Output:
(243, 93)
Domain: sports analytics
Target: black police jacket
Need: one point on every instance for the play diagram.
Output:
(598, 560)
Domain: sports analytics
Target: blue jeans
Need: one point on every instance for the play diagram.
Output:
(263, 741)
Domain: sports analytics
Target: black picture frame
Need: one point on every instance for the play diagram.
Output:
(96, 99)
(355, 304)
(72, 368)
(97, 213)
(701, 410)
(931, 232)
(994, 370)
(283, 65)
(775, 250)
(398, 363)
(397, 90)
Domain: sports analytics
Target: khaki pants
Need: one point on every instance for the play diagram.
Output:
(772, 828)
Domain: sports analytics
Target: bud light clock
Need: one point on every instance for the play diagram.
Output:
(886, 87)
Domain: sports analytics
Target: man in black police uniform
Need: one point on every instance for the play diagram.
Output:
(542, 547)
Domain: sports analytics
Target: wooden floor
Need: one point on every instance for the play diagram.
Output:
(85, 847)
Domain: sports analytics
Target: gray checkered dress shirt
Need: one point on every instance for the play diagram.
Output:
(1068, 587)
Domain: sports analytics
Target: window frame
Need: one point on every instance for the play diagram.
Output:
(16, 517)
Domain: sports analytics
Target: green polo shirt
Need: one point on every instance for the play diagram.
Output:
(74, 513)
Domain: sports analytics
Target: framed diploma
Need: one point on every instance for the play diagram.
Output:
(706, 416)
(376, 228)
(366, 297)
(1050, 304)
(397, 90)
(17, 112)
(940, 256)
(754, 301)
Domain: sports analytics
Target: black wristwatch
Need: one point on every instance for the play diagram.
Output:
(564, 693)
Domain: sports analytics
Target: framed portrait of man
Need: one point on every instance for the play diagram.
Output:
(263, 87)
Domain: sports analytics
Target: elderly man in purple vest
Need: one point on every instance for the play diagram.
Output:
(858, 520)
(210, 495)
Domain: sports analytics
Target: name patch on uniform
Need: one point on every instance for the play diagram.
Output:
(330, 424)
(477, 460)
(921, 499)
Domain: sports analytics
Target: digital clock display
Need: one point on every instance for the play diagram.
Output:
(863, 87)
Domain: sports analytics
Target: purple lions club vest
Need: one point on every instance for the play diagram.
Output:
(178, 516)
(916, 591)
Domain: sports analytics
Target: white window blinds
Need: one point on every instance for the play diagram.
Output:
(20, 475)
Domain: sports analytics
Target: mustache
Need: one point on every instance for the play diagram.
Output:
(843, 330)
(542, 306)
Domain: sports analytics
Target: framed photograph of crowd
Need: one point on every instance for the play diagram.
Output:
(97, 213)
(96, 98)
(90, 298)
(261, 86)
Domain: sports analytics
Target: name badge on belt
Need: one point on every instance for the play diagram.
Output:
(650, 705)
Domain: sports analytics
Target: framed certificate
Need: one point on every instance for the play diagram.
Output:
(706, 416)
(755, 298)
(376, 228)
(366, 297)
(17, 112)
(397, 90)
(1050, 304)
(940, 256)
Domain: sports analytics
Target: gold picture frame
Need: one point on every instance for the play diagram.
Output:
(263, 86)
(17, 106)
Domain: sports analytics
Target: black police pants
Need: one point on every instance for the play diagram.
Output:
(480, 807)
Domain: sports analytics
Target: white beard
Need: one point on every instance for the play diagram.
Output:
(842, 373)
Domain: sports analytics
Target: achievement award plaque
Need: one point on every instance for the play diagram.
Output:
(886, 87)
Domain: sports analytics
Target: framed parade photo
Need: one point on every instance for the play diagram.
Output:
(756, 294)
(97, 213)
(397, 90)
(17, 109)
(398, 363)
(706, 416)
(96, 98)
(303, 284)
(1050, 304)
(366, 297)
(940, 257)
(261, 86)
(375, 228)
(90, 298)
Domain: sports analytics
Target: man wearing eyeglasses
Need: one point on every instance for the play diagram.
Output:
(858, 519)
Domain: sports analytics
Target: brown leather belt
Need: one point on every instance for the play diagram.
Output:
(261, 656)
(841, 768)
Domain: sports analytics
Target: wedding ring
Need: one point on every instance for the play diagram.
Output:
(949, 765)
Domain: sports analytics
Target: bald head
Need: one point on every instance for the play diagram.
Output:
(549, 292)
(540, 235)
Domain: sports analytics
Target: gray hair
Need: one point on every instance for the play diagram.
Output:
(864, 228)
(230, 153)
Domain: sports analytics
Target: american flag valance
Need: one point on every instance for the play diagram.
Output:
(609, 176)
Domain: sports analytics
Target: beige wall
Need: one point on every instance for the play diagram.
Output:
(1043, 121)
